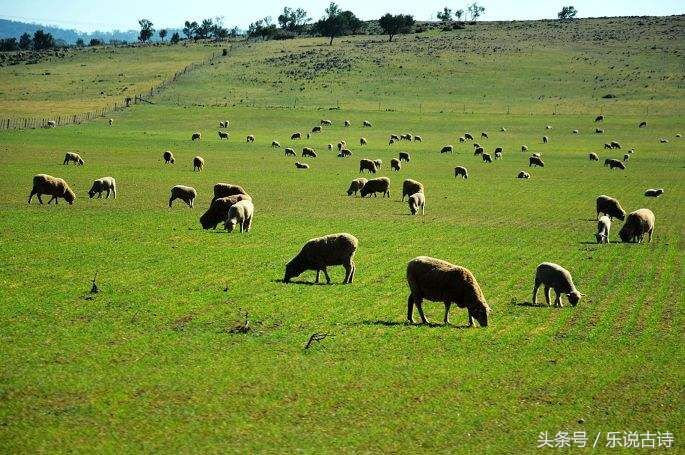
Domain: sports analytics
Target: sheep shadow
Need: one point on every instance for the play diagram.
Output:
(305, 283)
(431, 325)
(532, 305)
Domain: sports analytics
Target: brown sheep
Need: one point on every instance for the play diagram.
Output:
(51, 186)
(599, 118)
(638, 223)
(487, 158)
(378, 185)
(410, 187)
(185, 193)
(524, 148)
(249, 138)
(478, 151)
(198, 163)
(289, 152)
(222, 135)
(395, 164)
(322, 252)
(642, 124)
(654, 192)
(535, 161)
(404, 156)
(461, 171)
(365, 164)
(299, 165)
(367, 124)
(344, 153)
(316, 129)
(362, 141)
(347, 123)
(523, 175)
(615, 145)
(616, 164)
(275, 144)
(73, 157)
(168, 157)
(295, 136)
(593, 156)
(308, 151)
(356, 185)
(447, 149)
(418, 139)
(195, 136)
(226, 189)
(599, 131)
(218, 210)
(609, 206)
(325, 122)
(394, 137)
(468, 136)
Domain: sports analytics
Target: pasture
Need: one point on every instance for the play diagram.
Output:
(153, 361)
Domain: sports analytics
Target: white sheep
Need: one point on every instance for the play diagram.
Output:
(104, 184)
(554, 276)
(240, 213)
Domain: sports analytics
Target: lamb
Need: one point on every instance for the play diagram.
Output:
(240, 213)
(378, 163)
(524, 148)
(607, 205)
(616, 164)
(111, 122)
(325, 122)
(249, 138)
(615, 145)
(218, 210)
(523, 175)
(467, 136)
(545, 139)
(548, 127)
(75, 157)
(599, 131)
(362, 141)
(168, 157)
(558, 278)
(275, 144)
(198, 163)
(498, 155)
(322, 252)
(417, 201)
(195, 136)
(447, 149)
(626, 157)
(484, 134)
(410, 187)
(347, 123)
(642, 124)
(104, 184)
(599, 118)
(418, 139)
(51, 186)
(289, 151)
(461, 171)
(439, 281)
(535, 161)
(226, 189)
(576, 131)
(299, 165)
(51, 124)
(603, 228)
(593, 156)
(308, 151)
(654, 192)
(366, 123)
(404, 156)
(185, 193)
(330, 146)
(478, 151)
(316, 129)
(487, 158)
(395, 164)
(222, 135)
(344, 153)
(378, 185)
(366, 164)
(295, 136)
(638, 223)
(356, 185)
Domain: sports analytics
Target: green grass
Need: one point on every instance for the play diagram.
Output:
(148, 364)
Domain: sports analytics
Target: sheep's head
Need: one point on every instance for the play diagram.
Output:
(626, 234)
(292, 269)
(600, 237)
(207, 220)
(80, 161)
(620, 214)
(91, 193)
(230, 224)
(480, 311)
(69, 196)
(574, 298)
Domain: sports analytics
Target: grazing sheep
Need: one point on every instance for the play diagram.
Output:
(365, 164)
(603, 228)
(341, 145)
(524, 148)
(104, 184)
(663, 140)
(249, 138)
(439, 281)
(593, 156)
(654, 192)
(325, 122)
(631, 151)
(316, 129)
(168, 157)
(607, 146)
(535, 161)
(73, 157)
(322, 252)
(558, 278)
(226, 189)
(614, 145)
(548, 127)
(484, 135)
(599, 131)
(299, 165)
(111, 122)
(417, 201)
(185, 193)
(198, 163)
(642, 124)
(195, 136)
(447, 149)
(537, 155)
(373, 186)
(240, 213)
(499, 149)
(223, 124)
(362, 141)
(503, 129)
(218, 210)
(378, 163)
(487, 158)
(347, 123)
(295, 136)
(344, 153)
(418, 139)
(330, 146)
(638, 223)
(461, 171)
(616, 164)
(468, 136)
(478, 151)
(289, 152)
(222, 135)
(392, 141)
(476, 145)
(51, 124)
(678, 135)
(545, 139)
(356, 185)
(576, 131)
(404, 156)
(308, 151)
(51, 186)
(462, 139)
(394, 137)
(405, 137)
(626, 157)
(523, 175)
(395, 164)
(599, 118)
(366, 123)
(275, 144)
(498, 155)
(607, 205)
(410, 187)
(308, 135)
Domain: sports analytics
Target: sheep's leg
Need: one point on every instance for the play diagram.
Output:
(348, 273)
(171, 199)
(410, 308)
(354, 269)
(317, 275)
(53, 198)
(100, 194)
(650, 235)
(40, 199)
(114, 193)
(108, 192)
(190, 204)
(31, 196)
(470, 320)
(418, 302)
(535, 292)
(557, 299)
(547, 288)
(325, 273)
(446, 320)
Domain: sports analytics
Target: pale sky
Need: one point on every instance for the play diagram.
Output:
(104, 15)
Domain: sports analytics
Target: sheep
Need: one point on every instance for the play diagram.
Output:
(362, 141)
(417, 201)
(593, 156)
(75, 157)
(395, 164)
(607, 146)
(603, 229)
(468, 136)
(498, 155)
(222, 135)
(524, 148)
(599, 131)
(536, 155)
(406, 137)
(626, 157)
(462, 139)
(51, 186)
(316, 129)
(439, 281)
(185, 193)
(378, 185)
(545, 139)
(554, 276)
(476, 145)
(631, 151)
(198, 163)
(249, 138)
(227, 189)
(104, 184)
(447, 149)
(394, 137)
(418, 139)
(548, 127)
(615, 145)
(410, 187)
(51, 124)
(330, 146)
(223, 124)
(367, 124)
(478, 151)
(299, 165)
(308, 151)
(523, 175)
(325, 122)
(499, 149)
(168, 157)
(503, 129)
(487, 158)
(607, 161)
(535, 161)
(484, 135)
(344, 153)
(347, 123)
(218, 210)
(275, 144)
(195, 136)
(599, 118)
(461, 171)
(240, 213)
(663, 140)
(654, 192)
(322, 252)
(365, 164)
(607, 205)
(638, 223)
(341, 145)
(378, 163)
(289, 152)
(575, 132)
(404, 156)
(111, 122)
(678, 135)
(642, 124)
(356, 185)
(616, 164)
(295, 136)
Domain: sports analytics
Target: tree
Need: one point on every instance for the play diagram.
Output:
(293, 20)
(263, 28)
(337, 22)
(175, 38)
(8, 45)
(475, 10)
(146, 30)
(567, 13)
(162, 34)
(24, 41)
(392, 25)
(80, 42)
(95, 42)
(42, 40)
(445, 15)
(189, 29)
(458, 14)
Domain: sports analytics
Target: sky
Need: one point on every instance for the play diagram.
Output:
(104, 15)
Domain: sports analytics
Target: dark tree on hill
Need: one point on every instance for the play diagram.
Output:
(189, 29)
(293, 20)
(204, 29)
(393, 25)
(175, 38)
(567, 13)
(475, 10)
(445, 15)
(459, 14)
(42, 40)
(146, 30)
(263, 28)
(218, 31)
(162, 34)
(24, 41)
(337, 23)
(8, 45)
(95, 42)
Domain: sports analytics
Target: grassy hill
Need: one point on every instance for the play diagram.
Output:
(151, 363)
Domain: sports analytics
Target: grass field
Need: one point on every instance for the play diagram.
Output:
(149, 363)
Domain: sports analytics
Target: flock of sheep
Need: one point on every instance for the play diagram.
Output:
(428, 278)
